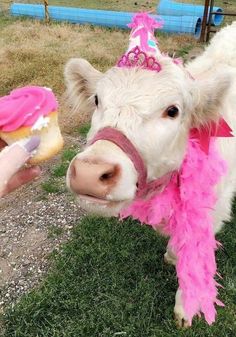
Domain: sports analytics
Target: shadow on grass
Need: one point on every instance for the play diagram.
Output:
(110, 280)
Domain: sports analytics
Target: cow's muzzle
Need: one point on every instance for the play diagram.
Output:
(94, 180)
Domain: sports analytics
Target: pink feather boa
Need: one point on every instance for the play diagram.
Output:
(183, 211)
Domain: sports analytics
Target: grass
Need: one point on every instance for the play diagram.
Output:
(56, 181)
(54, 231)
(66, 157)
(84, 129)
(60, 170)
(5, 21)
(183, 52)
(32, 53)
(68, 154)
(110, 280)
(52, 186)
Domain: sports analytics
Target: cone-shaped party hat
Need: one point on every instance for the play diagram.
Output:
(143, 48)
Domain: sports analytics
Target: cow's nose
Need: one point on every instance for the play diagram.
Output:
(93, 178)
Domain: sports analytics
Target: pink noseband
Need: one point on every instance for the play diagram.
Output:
(118, 138)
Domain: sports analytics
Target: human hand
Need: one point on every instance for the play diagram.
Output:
(12, 158)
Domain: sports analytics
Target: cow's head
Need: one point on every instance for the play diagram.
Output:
(154, 110)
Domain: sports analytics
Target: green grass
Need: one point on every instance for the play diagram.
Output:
(110, 280)
(84, 129)
(54, 231)
(66, 157)
(56, 181)
(52, 186)
(183, 52)
(60, 170)
(68, 154)
(5, 21)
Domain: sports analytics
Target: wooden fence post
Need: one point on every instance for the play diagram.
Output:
(205, 21)
(47, 18)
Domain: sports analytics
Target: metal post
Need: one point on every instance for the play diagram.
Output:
(46, 11)
(210, 20)
(204, 21)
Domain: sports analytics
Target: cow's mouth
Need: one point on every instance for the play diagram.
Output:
(90, 199)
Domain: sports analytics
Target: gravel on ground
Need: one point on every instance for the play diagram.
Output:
(32, 225)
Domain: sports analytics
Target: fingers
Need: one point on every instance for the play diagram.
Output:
(2, 144)
(13, 157)
(11, 160)
(21, 178)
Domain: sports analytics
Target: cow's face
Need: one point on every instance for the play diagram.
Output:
(155, 110)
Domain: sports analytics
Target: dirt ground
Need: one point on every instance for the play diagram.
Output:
(32, 225)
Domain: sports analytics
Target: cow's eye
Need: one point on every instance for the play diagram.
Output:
(171, 112)
(96, 100)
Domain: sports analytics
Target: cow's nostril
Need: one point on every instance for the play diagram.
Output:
(93, 177)
(111, 175)
(73, 171)
(107, 176)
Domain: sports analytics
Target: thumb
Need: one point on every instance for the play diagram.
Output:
(15, 156)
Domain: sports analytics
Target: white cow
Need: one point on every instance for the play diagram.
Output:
(155, 110)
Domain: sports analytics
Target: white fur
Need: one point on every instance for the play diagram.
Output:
(134, 101)
(221, 54)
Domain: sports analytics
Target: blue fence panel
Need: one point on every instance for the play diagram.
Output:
(168, 7)
(172, 24)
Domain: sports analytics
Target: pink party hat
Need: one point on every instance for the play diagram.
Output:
(143, 48)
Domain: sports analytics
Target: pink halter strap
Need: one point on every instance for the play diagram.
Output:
(117, 137)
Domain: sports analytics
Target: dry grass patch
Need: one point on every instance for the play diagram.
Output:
(118, 5)
(32, 53)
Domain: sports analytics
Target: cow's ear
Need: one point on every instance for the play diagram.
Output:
(81, 79)
(209, 94)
